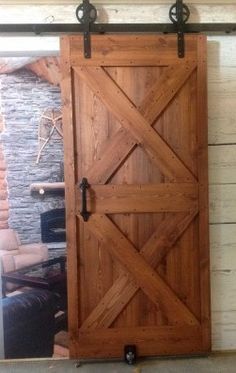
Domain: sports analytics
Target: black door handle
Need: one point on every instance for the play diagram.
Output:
(84, 185)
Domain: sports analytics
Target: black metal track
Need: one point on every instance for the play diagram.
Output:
(58, 28)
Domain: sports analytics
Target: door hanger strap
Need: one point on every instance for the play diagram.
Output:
(86, 14)
(179, 13)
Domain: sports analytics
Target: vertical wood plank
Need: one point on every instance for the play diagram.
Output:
(136, 84)
(92, 132)
(180, 132)
(203, 192)
(69, 138)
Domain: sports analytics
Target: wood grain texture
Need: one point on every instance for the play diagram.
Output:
(221, 52)
(177, 125)
(204, 253)
(124, 288)
(109, 160)
(189, 339)
(124, 282)
(155, 102)
(137, 227)
(160, 95)
(114, 51)
(71, 227)
(133, 121)
(150, 282)
(117, 199)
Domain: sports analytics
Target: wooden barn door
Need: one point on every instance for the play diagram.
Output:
(135, 126)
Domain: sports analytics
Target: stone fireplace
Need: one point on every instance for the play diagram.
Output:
(53, 226)
(24, 97)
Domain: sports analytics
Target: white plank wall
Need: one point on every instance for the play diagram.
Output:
(222, 130)
(222, 169)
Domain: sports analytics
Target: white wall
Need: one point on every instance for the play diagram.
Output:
(222, 168)
(222, 130)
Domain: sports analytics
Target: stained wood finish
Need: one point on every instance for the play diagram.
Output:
(72, 229)
(124, 288)
(203, 193)
(127, 114)
(118, 199)
(158, 51)
(182, 341)
(135, 118)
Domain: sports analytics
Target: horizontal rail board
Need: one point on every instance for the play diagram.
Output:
(108, 199)
(186, 338)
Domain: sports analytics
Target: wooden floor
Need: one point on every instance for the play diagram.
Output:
(214, 364)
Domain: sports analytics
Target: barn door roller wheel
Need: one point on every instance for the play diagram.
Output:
(177, 10)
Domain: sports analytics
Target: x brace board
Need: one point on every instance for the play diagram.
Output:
(139, 123)
(124, 101)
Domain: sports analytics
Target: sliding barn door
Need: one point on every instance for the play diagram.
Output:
(135, 126)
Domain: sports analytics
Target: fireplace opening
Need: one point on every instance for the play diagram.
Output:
(53, 226)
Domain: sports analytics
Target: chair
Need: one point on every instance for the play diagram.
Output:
(29, 324)
(14, 256)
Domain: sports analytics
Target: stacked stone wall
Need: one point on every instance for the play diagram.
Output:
(4, 206)
(24, 97)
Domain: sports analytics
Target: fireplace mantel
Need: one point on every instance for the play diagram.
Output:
(41, 188)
